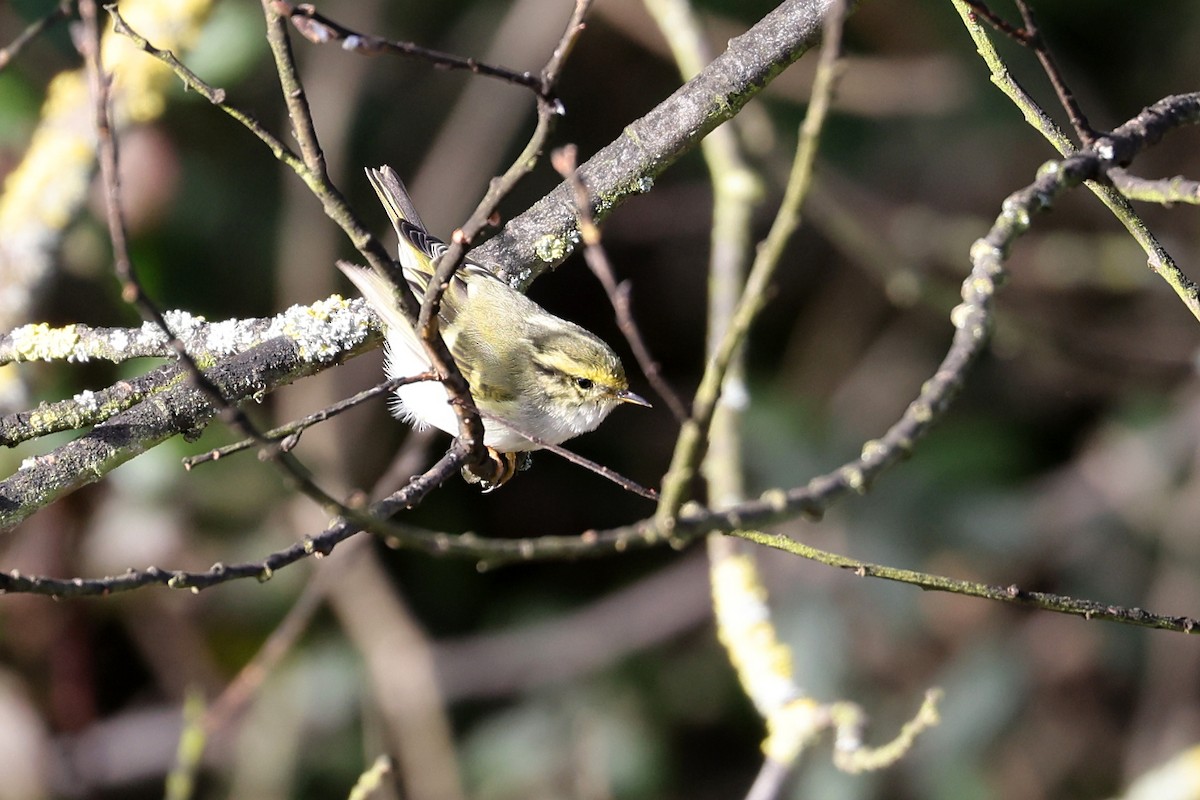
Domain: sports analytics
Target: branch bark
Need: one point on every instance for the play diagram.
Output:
(542, 237)
(181, 408)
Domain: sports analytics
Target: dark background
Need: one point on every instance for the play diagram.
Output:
(1068, 465)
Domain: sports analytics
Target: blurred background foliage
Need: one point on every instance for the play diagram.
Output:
(1068, 465)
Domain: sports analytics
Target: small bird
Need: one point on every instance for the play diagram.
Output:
(530, 373)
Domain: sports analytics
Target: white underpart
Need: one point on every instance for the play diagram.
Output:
(427, 403)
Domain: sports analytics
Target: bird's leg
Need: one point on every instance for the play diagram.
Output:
(501, 466)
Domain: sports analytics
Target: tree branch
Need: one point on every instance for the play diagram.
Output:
(545, 235)
(179, 408)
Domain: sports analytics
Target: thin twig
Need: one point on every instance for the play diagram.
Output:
(60, 12)
(133, 293)
(1164, 191)
(320, 29)
(1035, 41)
(212, 94)
(563, 160)
(1159, 260)
(736, 188)
(288, 435)
(427, 327)
(303, 126)
(692, 439)
(1062, 604)
(262, 570)
(981, 9)
(333, 203)
(603, 471)
(131, 288)
(759, 655)
(592, 544)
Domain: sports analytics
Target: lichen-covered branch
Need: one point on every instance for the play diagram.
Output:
(323, 331)
(178, 407)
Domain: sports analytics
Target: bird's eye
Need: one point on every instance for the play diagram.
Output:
(584, 383)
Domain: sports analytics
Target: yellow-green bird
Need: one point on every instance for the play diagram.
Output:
(531, 374)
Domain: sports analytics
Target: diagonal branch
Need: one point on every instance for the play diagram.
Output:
(545, 235)
(180, 408)
(57, 14)
(693, 436)
(563, 160)
(1159, 260)
(1062, 604)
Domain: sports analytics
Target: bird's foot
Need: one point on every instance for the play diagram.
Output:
(499, 468)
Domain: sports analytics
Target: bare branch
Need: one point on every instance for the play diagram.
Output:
(1159, 260)
(60, 12)
(693, 438)
(1066, 97)
(178, 408)
(1165, 191)
(564, 162)
(303, 126)
(288, 436)
(1061, 604)
(320, 29)
(470, 428)
(545, 235)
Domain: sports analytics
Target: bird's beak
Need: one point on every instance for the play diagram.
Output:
(626, 396)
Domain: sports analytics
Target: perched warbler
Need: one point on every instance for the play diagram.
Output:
(530, 372)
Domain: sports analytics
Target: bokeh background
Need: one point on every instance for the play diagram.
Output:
(1068, 465)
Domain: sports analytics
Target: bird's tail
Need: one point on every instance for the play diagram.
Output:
(419, 250)
(394, 196)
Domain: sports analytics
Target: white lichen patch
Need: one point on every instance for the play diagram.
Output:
(151, 338)
(323, 330)
(182, 323)
(86, 401)
(40, 342)
(119, 339)
(226, 338)
(520, 279)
